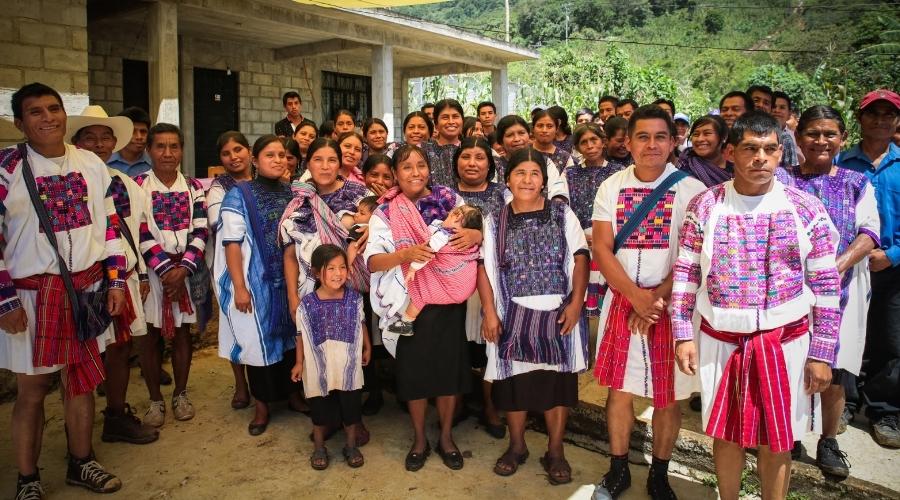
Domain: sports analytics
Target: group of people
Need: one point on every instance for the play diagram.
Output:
(734, 258)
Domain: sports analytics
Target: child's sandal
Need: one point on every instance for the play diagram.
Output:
(319, 459)
(353, 457)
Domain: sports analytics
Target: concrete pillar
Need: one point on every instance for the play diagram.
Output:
(383, 86)
(162, 37)
(500, 90)
(404, 105)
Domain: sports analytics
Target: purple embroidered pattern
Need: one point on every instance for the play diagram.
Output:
(333, 319)
(65, 198)
(172, 210)
(653, 233)
(756, 261)
(119, 193)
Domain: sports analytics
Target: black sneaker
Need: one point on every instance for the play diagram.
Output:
(886, 432)
(659, 488)
(614, 483)
(797, 450)
(830, 458)
(846, 419)
(31, 490)
(401, 327)
(89, 474)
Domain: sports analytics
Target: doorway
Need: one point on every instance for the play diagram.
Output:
(215, 111)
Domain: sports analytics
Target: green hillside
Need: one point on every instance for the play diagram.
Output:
(676, 48)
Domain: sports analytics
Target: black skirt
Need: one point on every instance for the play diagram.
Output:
(540, 390)
(337, 408)
(273, 383)
(434, 361)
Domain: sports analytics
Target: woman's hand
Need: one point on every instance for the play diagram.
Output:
(465, 239)
(242, 300)
(362, 240)
(491, 327)
(144, 289)
(569, 318)
(378, 189)
(297, 372)
(421, 253)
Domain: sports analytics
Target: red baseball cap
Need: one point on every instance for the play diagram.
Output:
(880, 95)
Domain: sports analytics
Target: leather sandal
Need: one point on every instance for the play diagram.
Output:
(353, 457)
(319, 460)
(509, 463)
(557, 468)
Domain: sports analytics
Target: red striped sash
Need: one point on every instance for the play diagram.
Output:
(753, 403)
(613, 353)
(122, 322)
(55, 341)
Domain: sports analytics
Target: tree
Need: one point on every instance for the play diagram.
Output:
(714, 22)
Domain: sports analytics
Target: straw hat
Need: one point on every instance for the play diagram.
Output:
(121, 126)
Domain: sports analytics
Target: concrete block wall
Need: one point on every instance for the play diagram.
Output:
(106, 50)
(44, 41)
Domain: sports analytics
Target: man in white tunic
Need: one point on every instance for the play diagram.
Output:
(37, 332)
(95, 131)
(637, 214)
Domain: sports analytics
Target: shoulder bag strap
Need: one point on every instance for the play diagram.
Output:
(640, 213)
(44, 219)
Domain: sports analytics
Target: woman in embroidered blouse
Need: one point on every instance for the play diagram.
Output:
(513, 133)
(378, 175)
(448, 122)
(705, 159)
(417, 129)
(234, 153)
(474, 171)
(375, 132)
(344, 121)
(532, 284)
(849, 200)
(256, 327)
(584, 180)
(544, 130)
(616, 129)
(435, 361)
(563, 139)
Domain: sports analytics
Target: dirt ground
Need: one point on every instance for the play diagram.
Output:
(213, 456)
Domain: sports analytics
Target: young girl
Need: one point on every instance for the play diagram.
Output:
(377, 174)
(332, 348)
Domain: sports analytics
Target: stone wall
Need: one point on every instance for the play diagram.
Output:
(44, 41)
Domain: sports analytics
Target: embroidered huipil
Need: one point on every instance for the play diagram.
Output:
(535, 273)
(440, 162)
(850, 202)
(75, 191)
(261, 337)
(562, 159)
(584, 181)
(331, 330)
(489, 201)
(751, 263)
(176, 226)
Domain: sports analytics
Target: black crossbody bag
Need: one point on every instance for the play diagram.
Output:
(89, 309)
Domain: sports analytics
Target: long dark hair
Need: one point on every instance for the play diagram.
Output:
(231, 135)
(561, 118)
(718, 124)
(475, 142)
(323, 142)
(322, 255)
